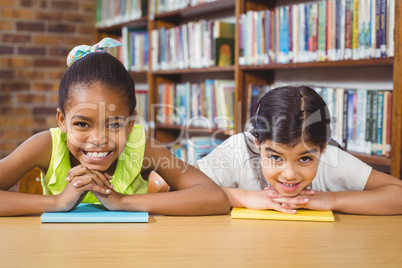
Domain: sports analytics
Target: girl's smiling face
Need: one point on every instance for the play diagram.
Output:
(97, 122)
(289, 169)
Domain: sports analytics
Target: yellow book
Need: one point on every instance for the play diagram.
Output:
(301, 215)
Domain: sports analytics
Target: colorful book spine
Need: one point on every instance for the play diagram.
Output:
(355, 30)
(348, 29)
(322, 24)
(380, 118)
(383, 28)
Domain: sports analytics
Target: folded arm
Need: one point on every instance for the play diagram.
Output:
(192, 192)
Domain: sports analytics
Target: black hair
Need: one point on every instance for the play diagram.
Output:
(98, 67)
(292, 114)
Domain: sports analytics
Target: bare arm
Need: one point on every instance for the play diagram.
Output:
(382, 195)
(193, 192)
(35, 152)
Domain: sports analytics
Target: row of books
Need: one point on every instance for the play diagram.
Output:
(193, 149)
(318, 31)
(112, 12)
(205, 105)
(360, 118)
(142, 105)
(161, 6)
(197, 44)
(135, 47)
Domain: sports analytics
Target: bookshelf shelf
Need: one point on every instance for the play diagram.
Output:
(192, 129)
(373, 159)
(342, 63)
(195, 71)
(139, 23)
(142, 73)
(196, 11)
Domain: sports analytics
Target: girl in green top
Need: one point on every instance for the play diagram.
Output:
(98, 155)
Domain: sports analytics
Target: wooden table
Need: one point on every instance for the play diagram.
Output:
(210, 241)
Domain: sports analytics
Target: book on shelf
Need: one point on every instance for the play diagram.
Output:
(254, 94)
(327, 30)
(224, 51)
(192, 149)
(141, 95)
(135, 49)
(198, 147)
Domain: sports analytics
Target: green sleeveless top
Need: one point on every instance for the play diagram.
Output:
(126, 178)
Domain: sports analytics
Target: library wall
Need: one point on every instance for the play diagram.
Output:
(35, 38)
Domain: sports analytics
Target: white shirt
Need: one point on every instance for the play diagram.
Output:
(236, 164)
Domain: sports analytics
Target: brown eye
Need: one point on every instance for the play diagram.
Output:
(276, 158)
(115, 126)
(305, 159)
(81, 124)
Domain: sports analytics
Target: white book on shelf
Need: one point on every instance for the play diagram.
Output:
(390, 27)
(373, 28)
(361, 120)
(155, 49)
(125, 47)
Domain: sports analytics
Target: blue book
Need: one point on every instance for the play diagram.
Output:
(93, 213)
(380, 118)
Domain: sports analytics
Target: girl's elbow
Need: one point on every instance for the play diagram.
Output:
(223, 201)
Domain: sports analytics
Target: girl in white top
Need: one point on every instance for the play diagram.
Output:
(285, 162)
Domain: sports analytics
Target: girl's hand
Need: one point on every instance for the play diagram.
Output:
(290, 203)
(110, 201)
(320, 201)
(92, 180)
(262, 200)
(314, 200)
(69, 198)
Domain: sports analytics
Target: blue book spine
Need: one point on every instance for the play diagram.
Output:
(162, 43)
(306, 25)
(378, 28)
(146, 50)
(380, 118)
(383, 47)
(286, 35)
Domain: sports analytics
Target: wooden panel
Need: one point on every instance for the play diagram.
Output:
(396, 148)
(30, 183)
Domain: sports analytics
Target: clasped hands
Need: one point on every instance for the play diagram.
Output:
(82, 180)
(269, 198)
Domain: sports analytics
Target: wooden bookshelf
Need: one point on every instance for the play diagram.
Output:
(261, 74)
(264, 74)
